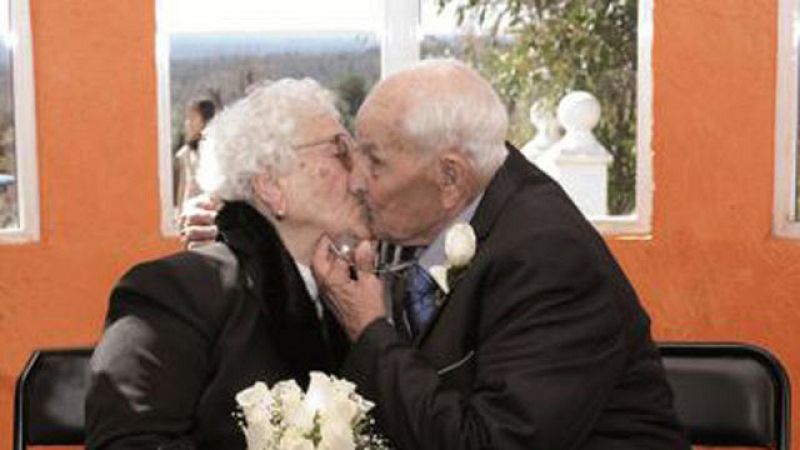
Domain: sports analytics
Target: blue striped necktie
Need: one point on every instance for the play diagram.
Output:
(420, 301)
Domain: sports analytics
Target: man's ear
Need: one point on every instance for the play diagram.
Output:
(453, 174)
(269, 193)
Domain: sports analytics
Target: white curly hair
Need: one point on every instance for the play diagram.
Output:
(254, 135)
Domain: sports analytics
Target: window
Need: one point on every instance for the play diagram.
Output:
(217, 48)
(786, 219)
(19, 203)
(211, 51)
(605, 53)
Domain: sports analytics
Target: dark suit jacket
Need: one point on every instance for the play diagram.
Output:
(541, 344)
(185, 333)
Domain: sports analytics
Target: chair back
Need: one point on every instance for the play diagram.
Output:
(729, 394)
(49, 398)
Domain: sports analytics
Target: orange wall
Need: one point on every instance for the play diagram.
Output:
(96, 111)
(712, 271)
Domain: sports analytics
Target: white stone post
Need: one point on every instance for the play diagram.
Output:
(401, 42)
(547, 132)
(578, 161)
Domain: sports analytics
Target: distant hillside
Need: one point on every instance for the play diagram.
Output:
(220, 67)
(204, 45)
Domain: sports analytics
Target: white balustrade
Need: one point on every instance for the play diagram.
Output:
(578, 161)
(547, 132)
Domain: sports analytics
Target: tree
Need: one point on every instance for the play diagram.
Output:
(558, 46)
(351, 91)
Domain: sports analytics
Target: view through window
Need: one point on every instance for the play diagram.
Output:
(9, 199)
(534, 54)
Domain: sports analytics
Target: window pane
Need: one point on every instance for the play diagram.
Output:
(9, 200)
(539, 54)
(218, 49)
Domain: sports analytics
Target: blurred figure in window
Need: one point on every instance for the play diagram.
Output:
(198, 114)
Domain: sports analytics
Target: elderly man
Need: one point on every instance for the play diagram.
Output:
(536, 342)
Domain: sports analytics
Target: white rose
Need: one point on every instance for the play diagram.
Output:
(459, 244)
(294, 439)
(336, 435)
(320, 392)
(287, 391)
(341, 409)
(260, 434)
(255, 394)
(343, 386)
(293, 408)
(298, 415)
(254, 401)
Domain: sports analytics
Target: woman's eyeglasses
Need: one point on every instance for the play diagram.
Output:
(344, 146)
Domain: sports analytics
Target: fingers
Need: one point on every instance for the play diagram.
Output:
(197, 244)
(329, 269)
(198, 216)
(199, 233)
(321, 259)
(204, 201)
(200, 210)
(365, 256)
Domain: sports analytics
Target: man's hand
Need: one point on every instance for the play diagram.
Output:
(196, 221)
(355, 303)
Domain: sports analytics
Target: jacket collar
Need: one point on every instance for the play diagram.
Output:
(275, 282)
(506, 181)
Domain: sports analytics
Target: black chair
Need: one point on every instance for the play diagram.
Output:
(48, 403)
(729, 394)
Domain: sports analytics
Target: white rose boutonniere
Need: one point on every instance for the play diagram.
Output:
(460, 245)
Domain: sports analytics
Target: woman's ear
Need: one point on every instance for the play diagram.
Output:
(270, 194)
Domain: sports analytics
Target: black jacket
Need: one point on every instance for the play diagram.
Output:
(541, 345)
(185, 333)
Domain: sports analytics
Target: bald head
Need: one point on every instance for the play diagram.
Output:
(440, 105)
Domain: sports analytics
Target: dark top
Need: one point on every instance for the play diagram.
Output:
(185, 333)
(541, 345)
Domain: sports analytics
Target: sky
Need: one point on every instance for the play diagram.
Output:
(285, 15)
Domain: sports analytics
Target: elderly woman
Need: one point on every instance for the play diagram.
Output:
(185, 333)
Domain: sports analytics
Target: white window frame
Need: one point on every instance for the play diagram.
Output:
(786, 110)
(400, 48)
(639, 223)
(27, 179)
(165, 164)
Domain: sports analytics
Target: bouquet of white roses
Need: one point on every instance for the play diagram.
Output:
(329, 416)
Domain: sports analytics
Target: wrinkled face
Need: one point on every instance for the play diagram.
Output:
(316, 186)
(394, 182)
